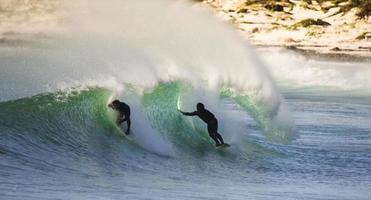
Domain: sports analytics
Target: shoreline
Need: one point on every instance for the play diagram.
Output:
(338, 38)
(317, 54)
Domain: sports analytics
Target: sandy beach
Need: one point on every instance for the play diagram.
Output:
(317, 30)
(310, 29)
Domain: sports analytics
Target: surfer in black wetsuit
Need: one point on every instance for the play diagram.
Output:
(124, 111)
(210, 120)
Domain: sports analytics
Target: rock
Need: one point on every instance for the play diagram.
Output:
(365, 48)
(274, 7)
(290, 40)
(255, 30)
(364, 36)
(309, 22)
(335, 49)
(292, 47)
(243, 10)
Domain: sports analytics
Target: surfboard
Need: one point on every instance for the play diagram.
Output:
(127, 136)
(225, 145)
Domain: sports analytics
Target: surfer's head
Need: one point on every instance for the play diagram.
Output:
(115, 103)
(200, 106)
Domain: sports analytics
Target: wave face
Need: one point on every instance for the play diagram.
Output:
(73, 119)
(73, 133)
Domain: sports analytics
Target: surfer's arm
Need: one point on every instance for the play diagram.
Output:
(112, 106)
(189, 113)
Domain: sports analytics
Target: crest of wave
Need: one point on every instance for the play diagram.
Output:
(143, 43)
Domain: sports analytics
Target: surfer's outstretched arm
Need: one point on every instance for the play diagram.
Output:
(189, 113)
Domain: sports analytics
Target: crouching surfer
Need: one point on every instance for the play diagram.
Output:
(123, 110)
(210, 120)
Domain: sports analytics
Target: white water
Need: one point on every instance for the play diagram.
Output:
(142, 43)
(297, 71)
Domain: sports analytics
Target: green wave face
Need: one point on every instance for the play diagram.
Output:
(273, 131)
(80, 120)
(63, 118)
(161, 108)
(190, 134)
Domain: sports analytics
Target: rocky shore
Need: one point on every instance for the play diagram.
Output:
(339, 28)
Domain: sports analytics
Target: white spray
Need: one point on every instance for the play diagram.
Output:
(143, 43)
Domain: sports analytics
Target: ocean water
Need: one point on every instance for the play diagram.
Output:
(299, 128)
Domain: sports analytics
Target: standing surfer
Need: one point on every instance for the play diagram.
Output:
(210, 120)
(123, 113)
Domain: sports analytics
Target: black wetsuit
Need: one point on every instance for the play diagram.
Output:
(212, 124)
(124, 110)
